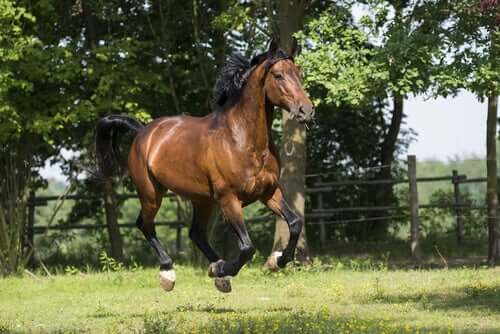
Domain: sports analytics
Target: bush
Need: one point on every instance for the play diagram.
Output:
(437, 222)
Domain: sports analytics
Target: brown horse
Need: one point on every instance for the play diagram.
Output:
(226, 158)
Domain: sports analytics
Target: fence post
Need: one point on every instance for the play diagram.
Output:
(30, 235)
(458, 209)
(322, 231)
(415, 222)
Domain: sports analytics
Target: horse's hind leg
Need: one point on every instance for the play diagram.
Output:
(233, 213)
(150, 204)
(198, 233)
(198, 230)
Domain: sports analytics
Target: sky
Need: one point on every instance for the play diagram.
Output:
(447, 127)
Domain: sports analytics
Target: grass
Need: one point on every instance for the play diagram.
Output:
(338, 298)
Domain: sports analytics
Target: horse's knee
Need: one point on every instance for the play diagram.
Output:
(296, 227)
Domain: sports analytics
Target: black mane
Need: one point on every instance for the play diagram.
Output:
(231, 79)
(234, 73)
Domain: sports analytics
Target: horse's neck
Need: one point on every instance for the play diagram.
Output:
(250, 122)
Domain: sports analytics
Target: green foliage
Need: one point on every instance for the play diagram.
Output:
(339, 60)
(438, 222)
(471, 36)
(406, 35)
(385, 55)
(14, 46)
(71, 270)
(108, 263)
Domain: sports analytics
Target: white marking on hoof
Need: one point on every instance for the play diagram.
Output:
(212, 269)
(167, 279)
(223, 284)
(273, 261)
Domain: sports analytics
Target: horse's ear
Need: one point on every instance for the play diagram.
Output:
(274, 45)
(295, 49)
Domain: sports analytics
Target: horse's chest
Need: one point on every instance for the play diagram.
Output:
(261, 184)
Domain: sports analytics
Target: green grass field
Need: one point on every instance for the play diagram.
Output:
(317, 299)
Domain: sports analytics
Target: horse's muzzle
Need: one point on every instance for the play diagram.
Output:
(303, 113)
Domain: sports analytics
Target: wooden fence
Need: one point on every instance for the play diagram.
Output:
(317, 215)
(320, 188)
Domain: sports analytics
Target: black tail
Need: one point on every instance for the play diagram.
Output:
(109, 161)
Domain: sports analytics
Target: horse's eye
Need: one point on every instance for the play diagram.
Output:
(278, 76)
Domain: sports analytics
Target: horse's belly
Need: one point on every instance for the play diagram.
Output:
(183, 179)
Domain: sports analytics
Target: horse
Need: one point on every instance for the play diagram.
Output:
(225, 158)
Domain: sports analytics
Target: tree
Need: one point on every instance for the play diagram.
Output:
(375, 64)
(25, 132)
(470, 35)
(288, 21)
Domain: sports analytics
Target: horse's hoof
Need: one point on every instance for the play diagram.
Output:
(223, 284)
(272, 262)
(214, 268)
(167, 279)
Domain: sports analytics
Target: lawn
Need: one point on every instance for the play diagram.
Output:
(317, 299)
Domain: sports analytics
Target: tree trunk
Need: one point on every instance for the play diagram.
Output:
(115, 237)
(491, 171)
(293, 152)
(110, 205)
(15, 178)
(387, 153)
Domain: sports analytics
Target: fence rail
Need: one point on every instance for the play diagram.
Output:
(318, 215)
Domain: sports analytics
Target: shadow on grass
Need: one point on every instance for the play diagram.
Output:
(107, 314)
(212, 308)
(206, 308)
(52, 331)
(475, 298)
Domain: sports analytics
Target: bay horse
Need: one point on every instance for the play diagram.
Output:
(225, 158)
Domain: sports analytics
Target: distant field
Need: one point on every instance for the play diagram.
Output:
(320, 299)
(472, 167)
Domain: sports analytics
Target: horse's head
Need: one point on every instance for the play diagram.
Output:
(283, 83)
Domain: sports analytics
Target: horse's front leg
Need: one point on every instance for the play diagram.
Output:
(280, 207)
(233, 213)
